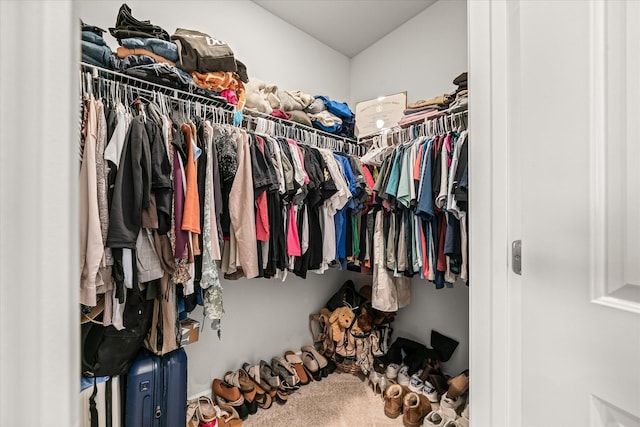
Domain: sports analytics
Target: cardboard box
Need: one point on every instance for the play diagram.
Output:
(190, 331)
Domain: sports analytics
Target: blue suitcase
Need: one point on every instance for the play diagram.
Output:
(156, 394)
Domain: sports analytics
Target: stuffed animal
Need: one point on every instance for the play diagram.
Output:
(341, 319)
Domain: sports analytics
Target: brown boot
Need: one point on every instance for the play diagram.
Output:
(458, 386)
(415, 408)
(393, 401)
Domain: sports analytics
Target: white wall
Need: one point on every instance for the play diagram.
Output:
(272, 50)
(422, 57)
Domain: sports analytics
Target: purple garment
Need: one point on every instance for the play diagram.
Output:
(178, 203)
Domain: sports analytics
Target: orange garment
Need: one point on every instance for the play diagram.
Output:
(123, 52)
(191, 213)
(220, 81)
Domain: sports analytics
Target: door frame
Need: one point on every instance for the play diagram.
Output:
(493, 28)
(40, 334)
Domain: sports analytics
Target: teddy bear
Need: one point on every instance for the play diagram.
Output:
(341, 319)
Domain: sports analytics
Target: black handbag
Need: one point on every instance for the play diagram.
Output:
(106, 350)
(347, 295)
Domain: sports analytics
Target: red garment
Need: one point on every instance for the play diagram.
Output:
(230, 95)
(370, 183)
(281, 114)
(293, 240)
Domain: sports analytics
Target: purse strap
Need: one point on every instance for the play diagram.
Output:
(93, 411)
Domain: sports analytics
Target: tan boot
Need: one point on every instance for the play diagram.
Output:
(415, 408)
(393, 397)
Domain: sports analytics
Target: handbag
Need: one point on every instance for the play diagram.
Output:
(346, 295)
(107, 351)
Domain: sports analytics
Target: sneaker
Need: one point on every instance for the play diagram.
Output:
(403, 376)
(439, 418)
(465, 411)
(415, 384)
(446, 402)
(430, 391)
(392, 371)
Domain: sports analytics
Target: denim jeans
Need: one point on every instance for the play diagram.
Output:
(163, 48)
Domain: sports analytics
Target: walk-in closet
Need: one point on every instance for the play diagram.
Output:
(274, 213)
(243, 319)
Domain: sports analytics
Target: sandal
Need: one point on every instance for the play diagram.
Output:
(224, 392)
(322, 361)
(228, 416)
(269, 376)
(263, 396)
(241, 380)
(296, 362)
(206, 411)
(286, 372)
(312, 365)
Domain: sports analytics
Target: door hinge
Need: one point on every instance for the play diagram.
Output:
(516, 256)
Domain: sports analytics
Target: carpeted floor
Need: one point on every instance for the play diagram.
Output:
(340, 400)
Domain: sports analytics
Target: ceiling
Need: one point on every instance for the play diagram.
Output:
(348, 26)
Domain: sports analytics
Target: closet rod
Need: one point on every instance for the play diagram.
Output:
(290, 123)
(421, 127)
(338, 143)
(107, 74)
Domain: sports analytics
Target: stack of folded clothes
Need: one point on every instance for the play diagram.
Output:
(425, 109)
(461, 101)
(331, 116)
(94, 49)
(437, 106)
(211, 64)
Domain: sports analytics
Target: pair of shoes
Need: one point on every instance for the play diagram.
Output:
(297, 364)
(289, 379)
(414, 408)
(439, 418)
(216, 415)
(263, 397)
(316, 364)
(241, 380)
(271, 378)
(226, 393)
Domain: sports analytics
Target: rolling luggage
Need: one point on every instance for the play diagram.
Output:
(100, 403)
(156, 394)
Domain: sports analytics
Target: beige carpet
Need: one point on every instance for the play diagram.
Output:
(340, 400)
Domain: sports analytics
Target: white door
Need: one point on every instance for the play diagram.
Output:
(571, 140)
